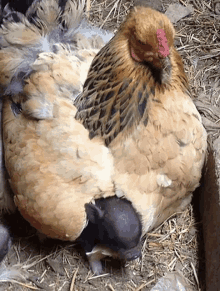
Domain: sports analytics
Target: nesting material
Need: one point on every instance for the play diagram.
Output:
(198, 44)
(177, 11)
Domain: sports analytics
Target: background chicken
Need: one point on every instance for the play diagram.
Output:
(80, 37)
(15, 62)
(55, 169)
(136, 97)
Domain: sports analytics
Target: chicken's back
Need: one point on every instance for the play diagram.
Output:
(54, 167)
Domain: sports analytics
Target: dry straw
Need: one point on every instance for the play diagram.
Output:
(174, 245)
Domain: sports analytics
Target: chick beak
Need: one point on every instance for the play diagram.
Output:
(130, 255)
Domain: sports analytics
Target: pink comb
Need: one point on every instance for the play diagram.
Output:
(163, 46)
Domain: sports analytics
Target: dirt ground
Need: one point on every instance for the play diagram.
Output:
(176, 246)
(55, 265)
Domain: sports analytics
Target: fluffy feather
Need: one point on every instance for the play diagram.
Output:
(13, 273)
(54, 168)
(50, 33)
(46, 28)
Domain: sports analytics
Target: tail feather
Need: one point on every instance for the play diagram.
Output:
(10, 15)
(48, 25)
(11, 273)
(45, 14)
(72, 16)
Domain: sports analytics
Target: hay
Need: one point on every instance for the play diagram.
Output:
(175, 244)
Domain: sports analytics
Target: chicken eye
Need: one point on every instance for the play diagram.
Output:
(141, 42)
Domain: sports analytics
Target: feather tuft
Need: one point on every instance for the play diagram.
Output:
(46, 27)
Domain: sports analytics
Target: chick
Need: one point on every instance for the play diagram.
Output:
(114, 229)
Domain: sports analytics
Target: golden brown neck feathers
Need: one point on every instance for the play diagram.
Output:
(133, 67)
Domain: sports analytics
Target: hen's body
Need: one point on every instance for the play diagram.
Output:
(136, 98)
(159, 166)
(54, 167)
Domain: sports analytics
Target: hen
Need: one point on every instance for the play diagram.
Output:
(55, 170)
(42, 70)
(136, 98)
(24, 38)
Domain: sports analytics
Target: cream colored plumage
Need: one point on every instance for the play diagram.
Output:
(54, 167)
